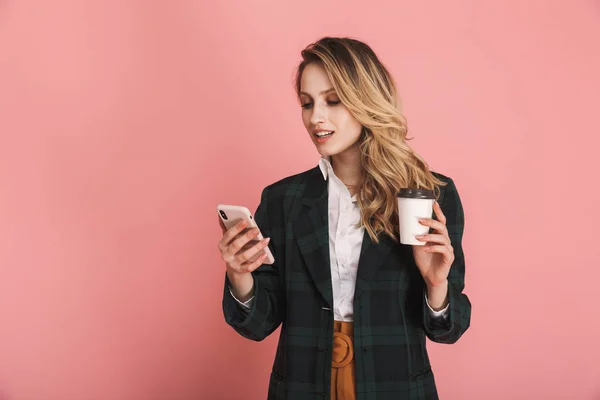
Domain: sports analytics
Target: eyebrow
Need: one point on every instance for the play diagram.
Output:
(322, 93)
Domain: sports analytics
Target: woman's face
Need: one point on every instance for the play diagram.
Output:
(322, 111)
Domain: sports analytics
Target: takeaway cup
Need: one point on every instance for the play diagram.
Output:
(412, 205)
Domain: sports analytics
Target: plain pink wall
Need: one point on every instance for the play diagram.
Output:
(124, 123)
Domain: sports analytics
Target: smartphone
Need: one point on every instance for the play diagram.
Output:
(232, 214)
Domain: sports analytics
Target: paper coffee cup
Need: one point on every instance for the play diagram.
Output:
(412, 205)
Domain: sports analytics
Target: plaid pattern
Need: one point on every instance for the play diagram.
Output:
(391, 318)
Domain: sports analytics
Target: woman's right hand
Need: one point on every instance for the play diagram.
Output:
(239, 249)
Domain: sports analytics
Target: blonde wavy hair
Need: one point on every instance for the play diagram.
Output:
(367, 89)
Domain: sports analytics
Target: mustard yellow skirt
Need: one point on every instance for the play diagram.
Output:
(343, 364)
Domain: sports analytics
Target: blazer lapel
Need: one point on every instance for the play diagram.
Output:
(311, 227)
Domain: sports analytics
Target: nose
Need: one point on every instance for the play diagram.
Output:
(319, 115)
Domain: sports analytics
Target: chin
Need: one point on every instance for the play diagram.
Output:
(326, 153)
(335, 151)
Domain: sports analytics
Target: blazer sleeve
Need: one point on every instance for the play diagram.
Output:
(449, 330)
(268, 306)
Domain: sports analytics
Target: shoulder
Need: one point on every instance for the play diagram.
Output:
(280, 198)
(442, 177)
(290, 185)
(450, 202)
(448, 190)
(449, 183)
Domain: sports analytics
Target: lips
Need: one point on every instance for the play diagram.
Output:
(322, 134)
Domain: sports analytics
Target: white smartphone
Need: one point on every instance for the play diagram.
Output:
(231, 215)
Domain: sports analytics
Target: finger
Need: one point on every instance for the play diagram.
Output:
(435, 225)
(446, 250)
(231, 251)
(438, 212)
(257, 263)
(251, 243)
(433, 238)
(253, 251)
(229, 235)
(235, 230)
(241, 240)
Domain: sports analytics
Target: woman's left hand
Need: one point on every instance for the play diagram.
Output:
(435, 258)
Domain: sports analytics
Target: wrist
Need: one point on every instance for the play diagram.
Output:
(443, 283)
(241, 285)
(437, 295)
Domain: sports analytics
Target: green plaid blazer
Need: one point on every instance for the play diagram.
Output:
(391, 318)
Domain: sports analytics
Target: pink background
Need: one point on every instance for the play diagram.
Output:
(124, 123)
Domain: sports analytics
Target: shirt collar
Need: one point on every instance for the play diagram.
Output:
(326, 169)
(325, 165)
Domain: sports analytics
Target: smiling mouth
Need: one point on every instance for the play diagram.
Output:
(324, 134)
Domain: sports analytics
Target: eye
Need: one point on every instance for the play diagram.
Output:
(333, 102)
(306, 106)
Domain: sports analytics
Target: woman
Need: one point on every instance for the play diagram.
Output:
(354, 304)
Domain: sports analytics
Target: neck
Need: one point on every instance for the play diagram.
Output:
(347, 167)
